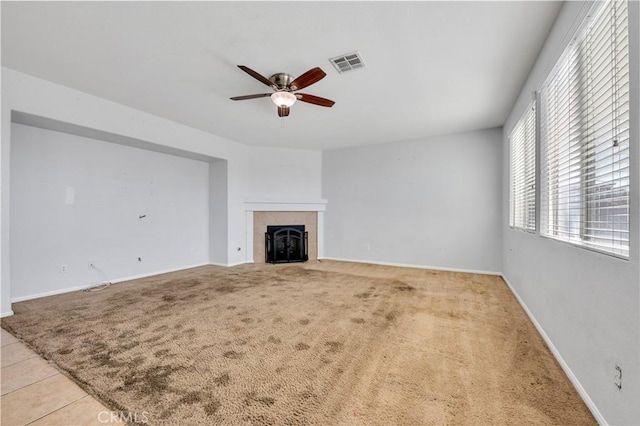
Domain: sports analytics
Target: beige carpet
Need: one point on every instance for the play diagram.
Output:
(324, 343)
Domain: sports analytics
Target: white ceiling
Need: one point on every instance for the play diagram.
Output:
(432, 67)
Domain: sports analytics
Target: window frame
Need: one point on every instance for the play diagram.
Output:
(572, 58)
(519, 194)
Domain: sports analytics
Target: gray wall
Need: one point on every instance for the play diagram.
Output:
(587, 304)
(433, 202)
(76, 200)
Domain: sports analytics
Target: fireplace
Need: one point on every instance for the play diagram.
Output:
(263, 214)
(285, 244)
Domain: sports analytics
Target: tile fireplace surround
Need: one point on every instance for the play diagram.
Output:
(262, 219)
(261, 213)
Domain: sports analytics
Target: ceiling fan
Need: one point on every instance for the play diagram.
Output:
(284, 85)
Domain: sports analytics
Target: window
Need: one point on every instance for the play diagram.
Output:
(584, 117)
(522, 212)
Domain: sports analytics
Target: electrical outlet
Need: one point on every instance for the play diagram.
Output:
(63, 268)
(617, 381)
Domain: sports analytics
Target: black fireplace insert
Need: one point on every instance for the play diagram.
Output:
(285, 244)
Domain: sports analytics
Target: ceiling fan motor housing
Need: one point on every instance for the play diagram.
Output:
(282, 80)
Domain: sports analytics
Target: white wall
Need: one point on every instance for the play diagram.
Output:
(434, 202)
(218, 212)
(284, 173)
(77, 200)
(587, 304)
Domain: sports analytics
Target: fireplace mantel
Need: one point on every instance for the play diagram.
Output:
(284, 205)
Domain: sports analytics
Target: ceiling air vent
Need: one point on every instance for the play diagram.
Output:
(347, 62)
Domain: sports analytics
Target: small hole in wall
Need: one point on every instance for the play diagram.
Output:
(239, 249)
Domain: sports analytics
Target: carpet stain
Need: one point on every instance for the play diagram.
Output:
(405, 288)
(260, 420)
(222, 380)
(334, 347)
(128, 334)
(191, 398)
(252, 398)
(161, 353)
(391, 316)
(212, 407)
(306, 395)
(128, 346)
(233, 355)
(302, 347)
(150, 381)
(136, 362)
(365, 295)
(153, 338)
(169, 298)
(104, 360)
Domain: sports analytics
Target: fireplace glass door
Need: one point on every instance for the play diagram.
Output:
(284, 244)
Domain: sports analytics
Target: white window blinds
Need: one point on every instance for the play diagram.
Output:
(584, 106)
(523, 172)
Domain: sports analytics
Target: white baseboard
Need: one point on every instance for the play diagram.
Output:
(6, 314)
(565, 367)
(407, 265)
(114, 281)
(239, 263)
(48, 293)
(229, 265)
(165, 271)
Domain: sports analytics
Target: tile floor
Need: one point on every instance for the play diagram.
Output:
(36, 393)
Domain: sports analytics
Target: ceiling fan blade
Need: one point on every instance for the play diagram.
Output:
(283, 111)
(316, 100)
(314, 75)
(256, 75)
(242, 98)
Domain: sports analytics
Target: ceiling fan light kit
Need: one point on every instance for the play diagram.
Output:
(284, 85)
(283, 98)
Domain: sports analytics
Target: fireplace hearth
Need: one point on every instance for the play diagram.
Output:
(286, 244)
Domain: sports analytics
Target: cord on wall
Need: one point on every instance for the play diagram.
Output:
(99, 286)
